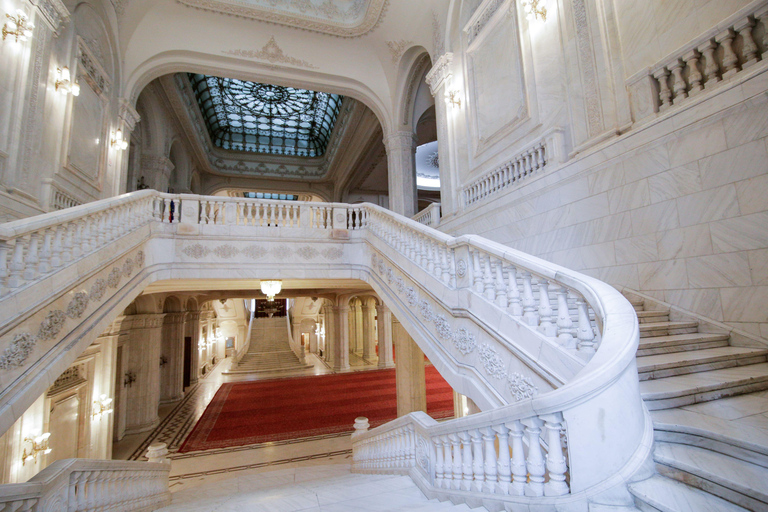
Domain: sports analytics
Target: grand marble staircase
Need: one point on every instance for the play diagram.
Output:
(704, 462)
(269, 350)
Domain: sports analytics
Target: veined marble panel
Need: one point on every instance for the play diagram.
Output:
(629, 197)
(758, 266)
(745, 304)
(719, 270)
(637, 249)
(662, 275)
(705, 302)
(684, 242)
(606, 179)
(705, 141)
(740, 233)
(753, 194)
(620, 275)
(746, 126)
(656, 217)
(646, 163)
(675, 183)
(707, 206)
(740, 163)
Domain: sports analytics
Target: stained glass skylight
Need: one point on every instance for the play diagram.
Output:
(263, 118)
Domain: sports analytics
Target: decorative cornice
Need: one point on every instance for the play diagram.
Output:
(128, 115)
(95, 74)
(304, 19)
(440, 73)
(400, 141)
(271, 53)
(481, 18)
(156, 163)
(54, 12)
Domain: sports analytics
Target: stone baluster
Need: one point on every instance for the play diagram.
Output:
(564, 323)
(166, 210)
(79, 246)
(529, 302)
(45, 252)
(730, 59)
(546, 314)
(556, 464)
(665, 94)
(517, 463)
(457, 466)
(478, 464)
(748, 47)
(501, 286)
(422, 245)
(762, 15)
(411, 447)
(466, 458)
(32, 260)
(502, 465)
(85, 236)
(57, 246)
(439, 471)
(513, 293)
(5, 249)
(448, 462)
(678, 82)
(489, 290)
(694, 75)
(535, 461)
(489, 467)
(445, 264)
(66, 251)
(585, 333)
(477, 274)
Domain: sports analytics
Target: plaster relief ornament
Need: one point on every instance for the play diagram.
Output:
(226, 251)
(77, 305)
(271, 53)
(307, 252)
(333, 253)
(18, 351)
(51, 325)
(492, 362)
(426, 311)
(98, 289)
(196, 251)
(464, 341)
(140, 258)
(400, 285)
(281, 252)
(397, 48)
(521, 387)
(254, 252)
(461, 268)
(128, 268)
(113, 279)
(411, 296)
(422, 454)
(443, 328)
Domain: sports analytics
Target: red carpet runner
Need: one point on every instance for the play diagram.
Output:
(256, 412)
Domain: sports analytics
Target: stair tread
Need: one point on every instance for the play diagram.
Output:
(667, 325)
(724, 470)
(690, 422)
(681, 338)
(669, 495)
(678, 385)
(671, 360)
(647, 313)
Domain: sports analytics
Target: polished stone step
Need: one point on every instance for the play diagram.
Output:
(739, 441)
(667, 328)
(645, 317)
(681, 343)
(693, 388)
(734, 480)
(681, 363)
(661, 494)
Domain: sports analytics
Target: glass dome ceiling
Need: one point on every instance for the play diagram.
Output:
(263, 118)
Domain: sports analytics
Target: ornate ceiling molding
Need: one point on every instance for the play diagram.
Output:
(328, 17)
(271, 53)
(440, 72)
(397, 48)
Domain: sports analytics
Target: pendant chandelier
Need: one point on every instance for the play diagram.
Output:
(271, 288)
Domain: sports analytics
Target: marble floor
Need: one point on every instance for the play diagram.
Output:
(313, 487)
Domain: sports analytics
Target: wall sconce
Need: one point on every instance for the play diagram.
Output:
(18, 26)
(129, 379)
(39, 445)
(117, 140)
(452, 98)
(101, 407)
(532, 10)
(163, 361)
(64, 83)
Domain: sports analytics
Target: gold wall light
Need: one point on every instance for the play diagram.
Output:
(39, 445)
(18, 26)
(64, 83)
(452, 98)
(101, 407)
(117, 141)
(533, 11)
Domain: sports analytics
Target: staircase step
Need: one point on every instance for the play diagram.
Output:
(662, 494)
(736, 440)
(681, 363)
(734, 480)
(689, 389)
(680, 343)
(666, 328)
(645, 316)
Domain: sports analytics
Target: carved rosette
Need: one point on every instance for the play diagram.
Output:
(461, 268)
(77, 305)
(113, 279)
(51, 325)
(98, 288)
(18, 351)
(422, 454)
(140, 258)
(492, 362)
(521, 387)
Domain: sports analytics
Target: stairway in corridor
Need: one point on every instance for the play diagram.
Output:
(269, 350)
(708, 456)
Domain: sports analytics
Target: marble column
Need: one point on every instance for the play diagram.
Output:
(296, 331)
(143, 394)
(330, 334)
(409, 372)
(438, 79)
(384, 324)
(352, 328)
(401, 170)
(341, 338)
(192, 329)
(172, 358)
(368, 325)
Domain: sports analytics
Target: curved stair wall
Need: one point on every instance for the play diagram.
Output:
(530, 342)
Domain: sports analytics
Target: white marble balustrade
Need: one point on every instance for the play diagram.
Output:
(506, 175)
(80, 485)
(429, 216)
(723, 52)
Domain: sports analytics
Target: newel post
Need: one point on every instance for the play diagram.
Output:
(463, 266)
(190, 209)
